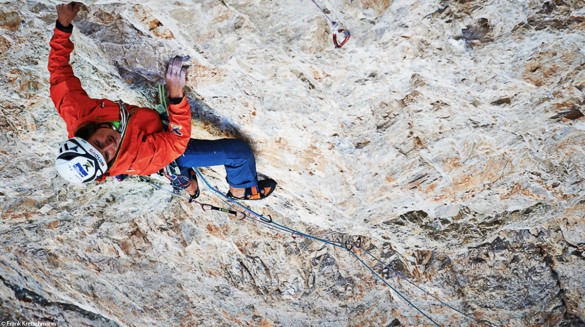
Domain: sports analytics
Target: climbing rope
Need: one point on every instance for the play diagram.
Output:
(345, 245)
(261, 217)
(242, 212)
(241, 215)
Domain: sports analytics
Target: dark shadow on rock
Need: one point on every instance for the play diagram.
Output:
(204, 113)
(137, 80)
(147, 85)
(572, 114)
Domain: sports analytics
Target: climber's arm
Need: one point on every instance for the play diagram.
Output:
(179, 109)
(159, 149)
(66, 91)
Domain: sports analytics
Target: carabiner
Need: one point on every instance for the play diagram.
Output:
(243, 215)
(358, 243)
(205, 206)
(348, 245)
(336, 30)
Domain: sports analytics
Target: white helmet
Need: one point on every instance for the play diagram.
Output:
(79, 162)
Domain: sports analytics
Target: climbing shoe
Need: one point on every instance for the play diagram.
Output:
(264, 189)
(193, 177)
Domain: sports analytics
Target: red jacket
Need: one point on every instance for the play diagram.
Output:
(146, 147)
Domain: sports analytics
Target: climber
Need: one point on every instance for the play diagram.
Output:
(109, 139)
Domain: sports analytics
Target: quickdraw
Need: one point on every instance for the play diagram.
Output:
(358, 242)
(207, 206)
(349, 243)
(335, 29)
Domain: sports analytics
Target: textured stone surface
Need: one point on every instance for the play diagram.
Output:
(448, 134)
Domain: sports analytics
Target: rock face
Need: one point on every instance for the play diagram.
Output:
(447, 134)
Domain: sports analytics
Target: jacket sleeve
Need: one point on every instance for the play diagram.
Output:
(162, 148)
(180, 120)
(70, 100)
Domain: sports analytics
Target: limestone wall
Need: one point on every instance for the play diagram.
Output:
(447, 134)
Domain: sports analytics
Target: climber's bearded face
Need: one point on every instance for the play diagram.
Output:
(106, 140)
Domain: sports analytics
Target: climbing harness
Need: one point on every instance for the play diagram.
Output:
(172, 171)
(348, 244)
(335, 29)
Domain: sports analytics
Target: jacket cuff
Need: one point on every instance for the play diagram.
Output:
(176, 100)
(66, 29)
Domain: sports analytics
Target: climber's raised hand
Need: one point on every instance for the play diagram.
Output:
(175, 77)
(66, 12)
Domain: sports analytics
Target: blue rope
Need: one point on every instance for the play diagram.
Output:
(249, 213)
(339, 245)
(217, 192)
(259, 218)
(245, 214)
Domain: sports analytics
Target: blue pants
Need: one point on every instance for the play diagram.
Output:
(235, 155)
